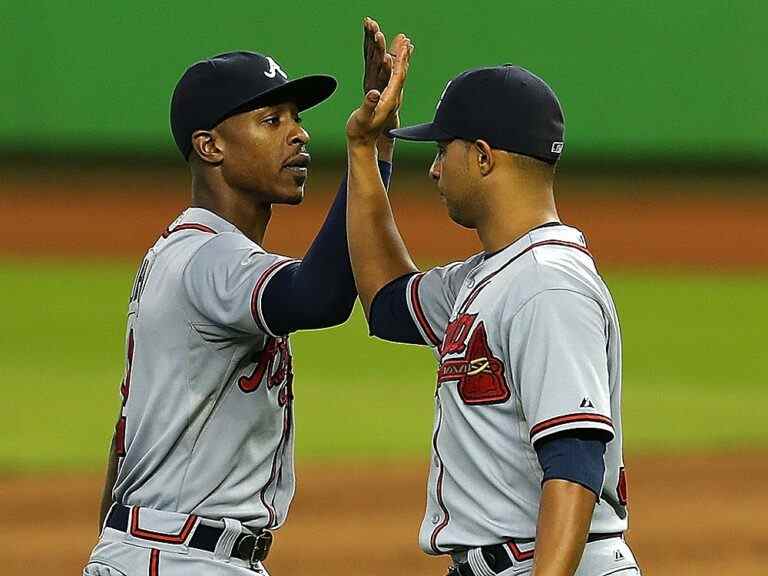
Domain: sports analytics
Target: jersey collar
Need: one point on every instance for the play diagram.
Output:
(206, 218)
(559, 232)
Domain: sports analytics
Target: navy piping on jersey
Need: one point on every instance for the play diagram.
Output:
(545, 225)
(287, 424)
(188, 226)
(318, 291)
(256, 295)
(419, 311)
(570, 419)
(154, 562)
(439, 486)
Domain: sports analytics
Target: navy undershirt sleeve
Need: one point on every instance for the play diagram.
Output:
(389, 317)
(319, 290)
(576, 456)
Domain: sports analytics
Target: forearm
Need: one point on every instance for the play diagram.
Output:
(320, 290)
(109, 483)
(565, 513)
(377, 251)
(385, 148)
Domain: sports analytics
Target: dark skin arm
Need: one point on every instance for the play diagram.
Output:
(565, 513)
(109, 483)
(376, 249)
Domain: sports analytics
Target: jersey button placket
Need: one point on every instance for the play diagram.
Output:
(435, 518)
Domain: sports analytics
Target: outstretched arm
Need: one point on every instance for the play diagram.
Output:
(319, 291)
(376, 248)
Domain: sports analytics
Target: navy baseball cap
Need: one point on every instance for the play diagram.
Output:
(507, 106)
(211, 90)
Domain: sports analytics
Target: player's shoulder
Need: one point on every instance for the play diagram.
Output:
(558, 257)
(459, 267)
(450, 276)
(549, 258)
(198, 227)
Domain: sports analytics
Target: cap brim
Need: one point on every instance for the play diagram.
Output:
(427, 132)
(306, 92)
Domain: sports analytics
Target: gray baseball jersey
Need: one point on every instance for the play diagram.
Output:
(528, 343)
(206, 425)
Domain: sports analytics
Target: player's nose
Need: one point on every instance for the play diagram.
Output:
(300, 137)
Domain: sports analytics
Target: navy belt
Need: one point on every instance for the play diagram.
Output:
(498, 559)
(252, 548)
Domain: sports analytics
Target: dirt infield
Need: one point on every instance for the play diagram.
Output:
(702, 516)
(714, 223)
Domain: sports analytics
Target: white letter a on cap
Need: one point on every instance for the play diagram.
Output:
(274, 68)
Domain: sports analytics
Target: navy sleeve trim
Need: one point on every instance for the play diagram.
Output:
(389, 317)
(575, 456)
(385, 169)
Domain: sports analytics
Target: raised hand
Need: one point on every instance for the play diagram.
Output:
(371, 118)
(377, 61)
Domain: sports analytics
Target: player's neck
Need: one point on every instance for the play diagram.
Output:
(239, 209)
(507, 216)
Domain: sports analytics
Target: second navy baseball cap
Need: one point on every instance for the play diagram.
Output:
(211, 90)
(507, 106)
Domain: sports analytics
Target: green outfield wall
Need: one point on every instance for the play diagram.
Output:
(677, 80)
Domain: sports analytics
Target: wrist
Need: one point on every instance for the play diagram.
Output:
(361, 149)
(386, 148)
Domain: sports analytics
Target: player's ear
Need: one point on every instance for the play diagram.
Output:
(484, 154)
(207, 146)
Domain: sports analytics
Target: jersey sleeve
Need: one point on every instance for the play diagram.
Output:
(430, 297)
(225, 279)
(558, 350)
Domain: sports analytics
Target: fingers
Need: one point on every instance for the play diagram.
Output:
(398, 42)
(391, 96)
(381, 43)
(371, 26)
(374, 46)
(368, 42)
(389, 61)
(370, 100)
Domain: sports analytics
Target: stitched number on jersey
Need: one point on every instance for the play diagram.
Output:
(479, 373)
(621, 489)
(456, 334)
(276, 364)
(125, 389)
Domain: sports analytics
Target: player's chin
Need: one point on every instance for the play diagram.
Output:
(459, 217)
(292, 189)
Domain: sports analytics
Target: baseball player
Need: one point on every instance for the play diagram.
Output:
(201, 465)
(526, 475)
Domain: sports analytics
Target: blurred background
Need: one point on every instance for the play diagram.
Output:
(664, 169)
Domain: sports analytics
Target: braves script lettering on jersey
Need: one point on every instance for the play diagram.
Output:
(528, 343)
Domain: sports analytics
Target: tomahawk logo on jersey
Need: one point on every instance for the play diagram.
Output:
(479, 374)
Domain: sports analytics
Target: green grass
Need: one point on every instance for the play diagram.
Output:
(695, 372)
